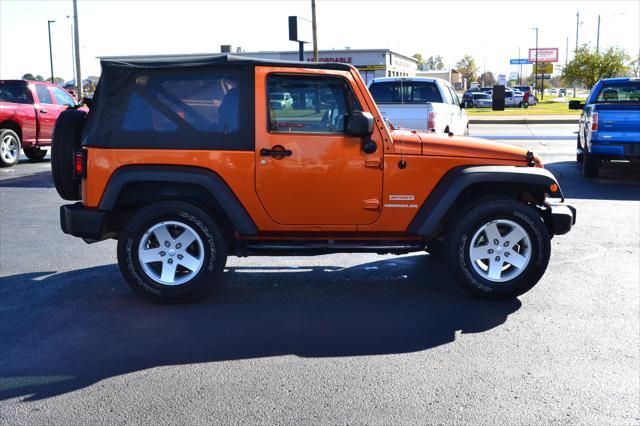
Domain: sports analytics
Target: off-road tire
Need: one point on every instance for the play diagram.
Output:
(66, 140)
(590, 164)
(215, 252)
(8, 133)
(35, 155)
(464, 226)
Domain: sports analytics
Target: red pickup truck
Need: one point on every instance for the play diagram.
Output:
(28, 113)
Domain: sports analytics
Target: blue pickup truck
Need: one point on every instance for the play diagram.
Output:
(610, 124)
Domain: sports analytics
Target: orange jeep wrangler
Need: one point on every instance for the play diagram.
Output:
(188, 159)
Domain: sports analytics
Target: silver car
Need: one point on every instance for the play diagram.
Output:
(482, 100)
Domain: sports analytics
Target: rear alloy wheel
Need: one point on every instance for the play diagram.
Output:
(171, 251)
(9, 148)
(498, 249)
(35, 154)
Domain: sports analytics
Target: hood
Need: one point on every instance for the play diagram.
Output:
(412, 142)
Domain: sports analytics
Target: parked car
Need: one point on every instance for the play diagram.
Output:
(609, 127)
(281, 100)
(482, 100)
(523, 89)
(512, 99)
(232, 176)
(420, 103)
(28, 112)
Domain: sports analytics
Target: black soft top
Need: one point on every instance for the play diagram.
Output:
(197, 60)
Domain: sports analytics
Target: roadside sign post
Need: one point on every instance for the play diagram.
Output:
(543, 58)
(300, 32)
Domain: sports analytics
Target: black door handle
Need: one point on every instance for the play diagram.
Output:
(275, 152)
(44, 111)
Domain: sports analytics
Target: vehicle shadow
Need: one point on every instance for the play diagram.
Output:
(42, 179)
(617, 181)
(63, 332)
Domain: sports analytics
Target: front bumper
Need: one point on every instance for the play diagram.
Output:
(563, 217)
(79, 221)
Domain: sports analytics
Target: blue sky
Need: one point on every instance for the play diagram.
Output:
(492, 32)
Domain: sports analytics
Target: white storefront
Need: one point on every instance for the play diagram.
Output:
(370, 62)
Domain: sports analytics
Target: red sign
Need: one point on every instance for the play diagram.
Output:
(546, 54)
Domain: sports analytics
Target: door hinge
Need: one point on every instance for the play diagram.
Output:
(373, 163)
(371, 204)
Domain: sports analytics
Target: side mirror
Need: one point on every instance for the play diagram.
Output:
(576, 105)
(360, 124)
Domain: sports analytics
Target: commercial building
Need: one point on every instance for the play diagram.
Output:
(453, 76)
(370, 62)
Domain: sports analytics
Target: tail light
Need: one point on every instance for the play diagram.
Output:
(594, 122)
(431, 120)
(80, 164)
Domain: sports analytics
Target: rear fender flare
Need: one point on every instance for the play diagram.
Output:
(201, 177)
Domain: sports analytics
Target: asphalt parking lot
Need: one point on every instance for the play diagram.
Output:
(351, 338)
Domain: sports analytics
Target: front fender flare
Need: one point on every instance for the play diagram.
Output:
(454, 182)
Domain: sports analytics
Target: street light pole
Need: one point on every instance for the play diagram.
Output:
(50, 50)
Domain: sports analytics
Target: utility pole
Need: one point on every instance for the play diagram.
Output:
(519, 69)
(73, 54)
(50, 50)
(598, 36)
(576, 52)
(76, 39)
(535, 66)
(314, 29)
(566, 53)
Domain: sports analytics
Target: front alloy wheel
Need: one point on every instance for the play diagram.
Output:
(497, 249)
(500, 250)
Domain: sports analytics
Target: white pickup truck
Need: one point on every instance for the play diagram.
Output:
(420, 103)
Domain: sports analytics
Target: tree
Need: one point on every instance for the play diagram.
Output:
(634, 67)
(28, 76)
(487, 79)
(434, 62)
(467, 66)
(588, 66)
(56, 80)
(418, 57)
(38, 78)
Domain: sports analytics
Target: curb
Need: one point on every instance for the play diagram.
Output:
(525, 121)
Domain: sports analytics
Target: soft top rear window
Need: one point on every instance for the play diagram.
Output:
(174, 108)
(403, 92)
(15, 92)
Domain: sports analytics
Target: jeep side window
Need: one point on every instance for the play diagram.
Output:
(305, 104)
(200, 102)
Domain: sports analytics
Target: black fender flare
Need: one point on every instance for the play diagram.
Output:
(208, 180)
(426, 222)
